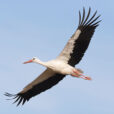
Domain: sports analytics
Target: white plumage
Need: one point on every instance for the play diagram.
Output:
(65, 63)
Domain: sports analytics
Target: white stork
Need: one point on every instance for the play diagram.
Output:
(65, 63)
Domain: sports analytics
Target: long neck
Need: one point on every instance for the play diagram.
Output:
(40, 62)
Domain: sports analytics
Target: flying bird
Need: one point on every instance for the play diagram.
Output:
(64, 64)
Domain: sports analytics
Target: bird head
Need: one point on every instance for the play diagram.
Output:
(34, 59)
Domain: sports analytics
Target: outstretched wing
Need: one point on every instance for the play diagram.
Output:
(78, 43)
(45, 81)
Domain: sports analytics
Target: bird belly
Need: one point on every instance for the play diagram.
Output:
(61, 67)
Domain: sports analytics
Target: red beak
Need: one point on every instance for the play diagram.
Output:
(28, 61)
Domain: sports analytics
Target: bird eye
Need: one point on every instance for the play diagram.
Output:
(33, 58)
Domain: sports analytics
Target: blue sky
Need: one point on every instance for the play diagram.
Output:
(42, 28)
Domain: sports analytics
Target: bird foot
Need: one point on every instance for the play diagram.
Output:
(78, 74)
(86, 77)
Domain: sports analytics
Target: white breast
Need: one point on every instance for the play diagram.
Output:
(60, 67)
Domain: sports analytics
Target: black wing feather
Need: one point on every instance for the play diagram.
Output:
(87, 28)
(22, 97)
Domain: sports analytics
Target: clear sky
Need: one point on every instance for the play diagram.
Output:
(41, 28)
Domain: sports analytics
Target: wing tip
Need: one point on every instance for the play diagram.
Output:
(19, 99)
(86, 21)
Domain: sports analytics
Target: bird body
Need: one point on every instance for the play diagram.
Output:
(59, 66)
(55, 65)
(65, 63)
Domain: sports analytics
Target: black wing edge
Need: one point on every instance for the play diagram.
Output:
(19, 98)
(22, 97)
(84, 22)
(87, 26)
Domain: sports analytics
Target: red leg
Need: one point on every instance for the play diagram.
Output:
(77, 72)
(86, 77)
(80, 75)
(76, 75)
